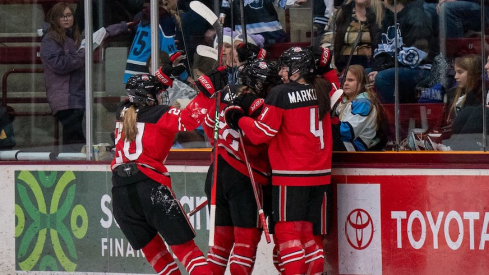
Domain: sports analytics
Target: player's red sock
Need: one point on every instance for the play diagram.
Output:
(160, 259)
(276, 257)
(218, 255)
(243, 257)
(291, 251)
(192, 258)
(314, 253)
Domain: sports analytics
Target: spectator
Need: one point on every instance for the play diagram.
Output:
(193, 31)
(323, 11)
(261, 18)
(205, 59)
(64, 72)
(360, 114)
(464, 101)
(140, 49)
(353, 16)
(464, 109)
(228, 36)
(414, 36)
(456, 18)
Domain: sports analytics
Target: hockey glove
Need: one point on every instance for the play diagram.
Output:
(250, 103)
(322, 58)
(250, 52)
(233, 114)
(163, 78)
(215, 81)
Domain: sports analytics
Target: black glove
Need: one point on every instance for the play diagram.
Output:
(175, 66)
(250, 103)
(216, 80)
(233, 114)
(250, 52)
(322, 58)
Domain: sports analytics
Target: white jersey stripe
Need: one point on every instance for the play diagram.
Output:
(301, 172)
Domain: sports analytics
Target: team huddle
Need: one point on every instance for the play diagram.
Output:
(272, 138)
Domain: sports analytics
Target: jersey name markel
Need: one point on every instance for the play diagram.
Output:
(302, 96)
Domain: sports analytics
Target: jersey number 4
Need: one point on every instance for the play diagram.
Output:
(316, 125)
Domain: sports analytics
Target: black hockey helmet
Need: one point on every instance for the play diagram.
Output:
(259, 75)
(299, 60)
(139, 88)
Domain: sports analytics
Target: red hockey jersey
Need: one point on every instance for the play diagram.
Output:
(157, 126)
(300, 145)
(230, 149)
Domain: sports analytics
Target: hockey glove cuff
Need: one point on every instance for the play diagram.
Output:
(233, 114)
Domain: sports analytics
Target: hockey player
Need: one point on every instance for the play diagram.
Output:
(145, 206)
(238, 230)
(295, 122)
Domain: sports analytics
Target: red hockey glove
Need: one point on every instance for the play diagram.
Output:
(233, 114)
(322, 58)
(251, 103)
(215, 81)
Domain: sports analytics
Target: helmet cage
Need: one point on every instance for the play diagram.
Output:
(298, 60)
(143, 89)
(259, 75)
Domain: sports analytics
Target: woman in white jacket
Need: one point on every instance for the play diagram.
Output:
(360, 113)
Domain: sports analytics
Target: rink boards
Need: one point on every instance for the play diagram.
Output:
(385, 221)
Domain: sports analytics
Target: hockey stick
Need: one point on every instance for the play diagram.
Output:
(243, 21)
(255, 190)
(197, 209)
(210, 17)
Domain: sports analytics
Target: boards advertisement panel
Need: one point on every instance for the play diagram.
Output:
(408, 221)
(385, 221)
(64, 222)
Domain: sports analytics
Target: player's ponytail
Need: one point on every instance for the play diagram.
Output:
(322, 88)
(129, 126)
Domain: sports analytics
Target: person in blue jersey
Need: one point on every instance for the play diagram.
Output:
(140, 49)
(261, 18)
(360, 113)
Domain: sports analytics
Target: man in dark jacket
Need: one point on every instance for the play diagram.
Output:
(414, 38)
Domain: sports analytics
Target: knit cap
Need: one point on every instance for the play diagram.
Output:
(255, 39)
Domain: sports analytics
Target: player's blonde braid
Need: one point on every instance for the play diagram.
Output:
(129, 123)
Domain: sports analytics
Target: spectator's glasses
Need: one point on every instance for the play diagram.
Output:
(66, 17)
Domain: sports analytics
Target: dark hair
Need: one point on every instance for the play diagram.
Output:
(343, 20)
(322, 88)
(55, 29)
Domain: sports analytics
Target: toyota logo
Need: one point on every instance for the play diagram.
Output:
(359, 229)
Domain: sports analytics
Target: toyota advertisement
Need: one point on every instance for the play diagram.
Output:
(385, 221)
(390, 222)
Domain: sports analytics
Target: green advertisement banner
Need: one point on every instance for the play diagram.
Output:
(64, 222)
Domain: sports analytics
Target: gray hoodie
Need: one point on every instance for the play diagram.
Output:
(64, 70)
